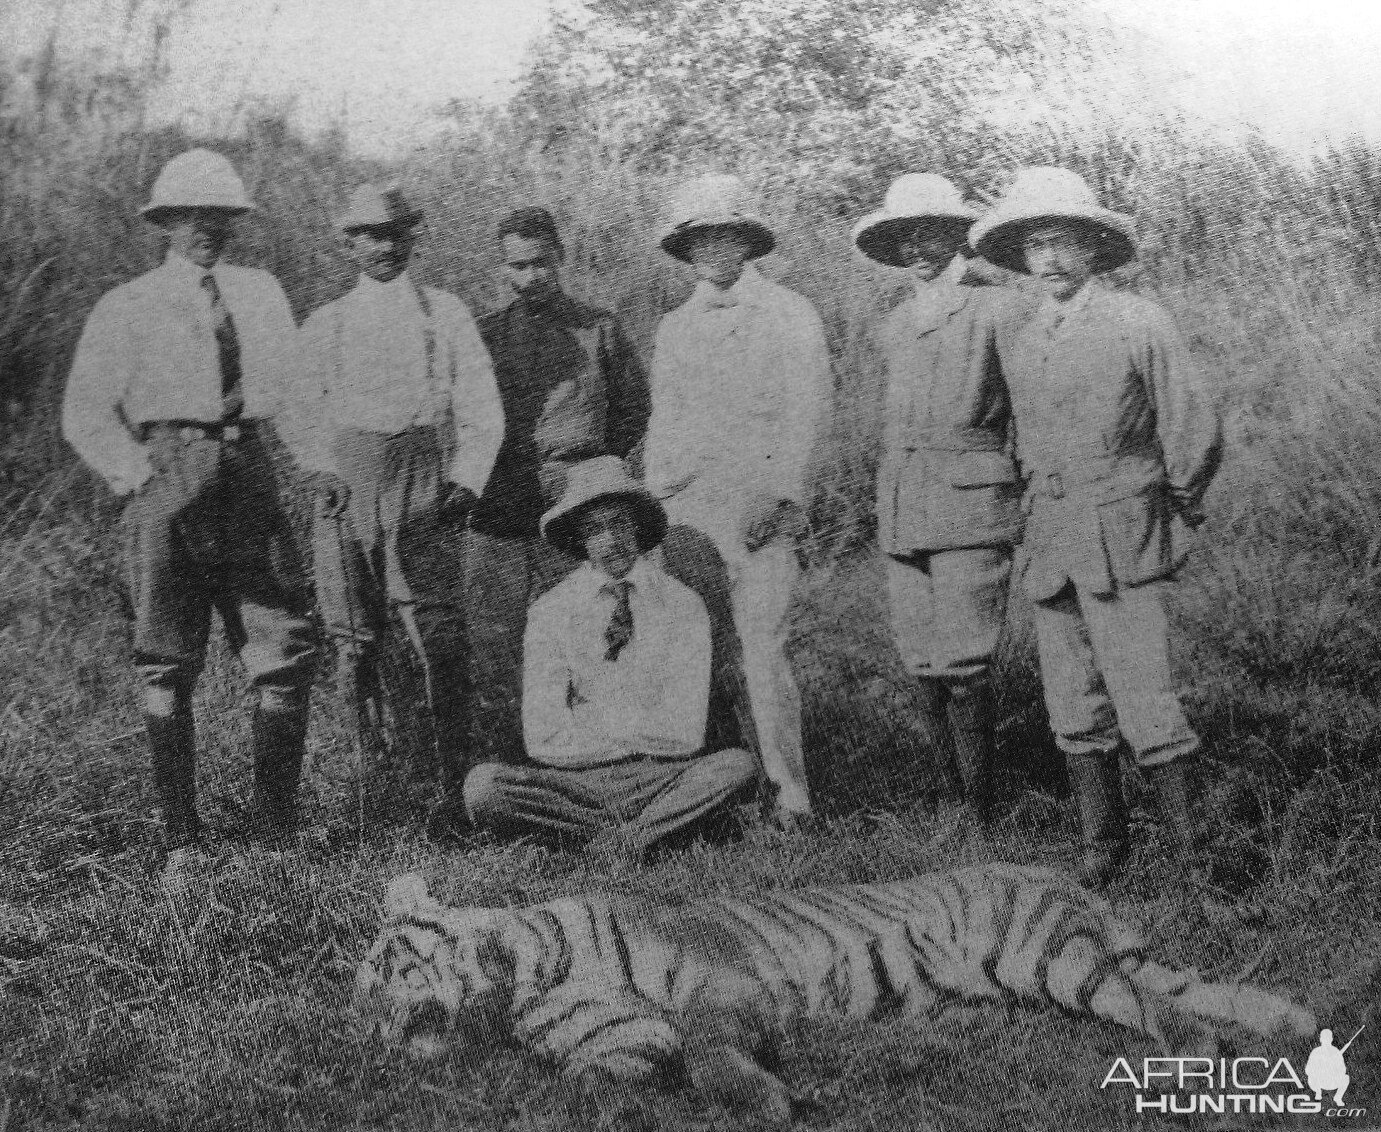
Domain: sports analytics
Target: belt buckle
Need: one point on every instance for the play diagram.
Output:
(1055, 486)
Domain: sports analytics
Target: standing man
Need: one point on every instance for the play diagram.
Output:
(173, 376)
(401, 418)
(616, 683)
(1117, 437)
(948, 495)
(572, 388)
(741, 374)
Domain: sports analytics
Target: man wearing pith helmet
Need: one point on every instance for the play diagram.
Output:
(740, 378)
(174, 375)
(400, 418)
(616, 682)
(948, 496)
(1117, 438)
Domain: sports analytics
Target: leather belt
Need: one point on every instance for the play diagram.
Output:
(197, 430)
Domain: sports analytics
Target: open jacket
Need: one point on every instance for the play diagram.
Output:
(572, 388)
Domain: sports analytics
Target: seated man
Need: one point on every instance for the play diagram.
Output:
(616, 683)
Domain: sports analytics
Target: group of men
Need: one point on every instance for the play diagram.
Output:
(594, 569)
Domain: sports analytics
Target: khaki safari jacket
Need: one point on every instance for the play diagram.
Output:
(948, 479)
(1115, 435)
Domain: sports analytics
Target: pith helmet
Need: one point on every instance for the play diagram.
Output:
(714, 201)
(911, 201)
(198, 178)
(589, 482)
(1043, 194)
(371, 206)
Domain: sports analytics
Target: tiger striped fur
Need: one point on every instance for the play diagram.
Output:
(619, 993)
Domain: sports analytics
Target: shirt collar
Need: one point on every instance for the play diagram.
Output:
(182, 270)
(395, 288)
(1055, 313)
(748, 290)
(643, 577)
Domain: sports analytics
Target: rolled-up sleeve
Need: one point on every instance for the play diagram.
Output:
(92, 417)
(476, 406)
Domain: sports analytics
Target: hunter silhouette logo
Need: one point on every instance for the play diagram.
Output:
(1240, 1085)
(1326, 1071)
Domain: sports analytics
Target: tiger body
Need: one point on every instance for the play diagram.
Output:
(618, 992)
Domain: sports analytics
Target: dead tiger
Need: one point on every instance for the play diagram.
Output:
(620, 993)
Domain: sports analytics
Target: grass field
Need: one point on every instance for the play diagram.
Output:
(124, 1010)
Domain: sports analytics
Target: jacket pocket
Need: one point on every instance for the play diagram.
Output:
(1136, 535)
(981, 469)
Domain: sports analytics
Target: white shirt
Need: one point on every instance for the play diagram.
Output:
(580, 710)
(148, 352)
(738, 392)
(377, 362)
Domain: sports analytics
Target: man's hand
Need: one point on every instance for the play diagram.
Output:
(457, 501)
(1191, 512)
(332, 496)
(768, 518)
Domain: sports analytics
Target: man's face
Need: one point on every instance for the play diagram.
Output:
(610, 536)
(532, 267)
(1062, 257)
(198, 234)
(382, 253)
(718, 255)
(928, 251)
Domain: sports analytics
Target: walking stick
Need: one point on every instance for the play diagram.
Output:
(360, 739)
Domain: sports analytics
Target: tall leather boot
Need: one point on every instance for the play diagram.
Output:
(1172, 785)
(172, 745)
(278, 737)
(933, 723)
(972, 715)
(1097, 782)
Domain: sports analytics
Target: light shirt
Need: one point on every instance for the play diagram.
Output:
(580, 710)
(148, 353)
(376, 361)
(738, 391)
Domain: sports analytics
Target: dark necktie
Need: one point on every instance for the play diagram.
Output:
(620, 630)
(228, 347)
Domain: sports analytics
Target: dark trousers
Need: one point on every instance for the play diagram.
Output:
(504, 575)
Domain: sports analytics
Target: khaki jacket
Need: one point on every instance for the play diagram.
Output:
(948, 479)
(1116, 434)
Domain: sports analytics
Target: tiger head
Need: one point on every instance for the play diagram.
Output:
(435, 975)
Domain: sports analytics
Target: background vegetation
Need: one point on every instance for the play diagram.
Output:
(119, 1009)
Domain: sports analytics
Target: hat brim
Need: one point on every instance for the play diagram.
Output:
(998, 239)
(881, 235)
(677, 242)
(410, 219)
(154, 213)
(562, 530)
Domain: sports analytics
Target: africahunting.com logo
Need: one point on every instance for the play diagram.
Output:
(1241, 1085)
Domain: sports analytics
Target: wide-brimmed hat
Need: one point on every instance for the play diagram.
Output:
(1041, 195)
(198, 178)
(912, 200)
(714, 201)
(373, 206)
(594, 480)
